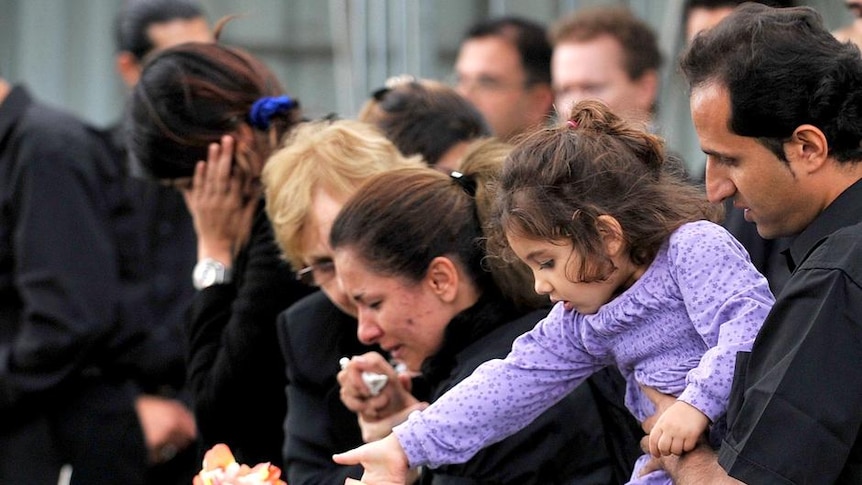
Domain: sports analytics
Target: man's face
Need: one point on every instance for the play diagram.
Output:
(490, 75)
(594, 69)
(773, 195)
(162, 36)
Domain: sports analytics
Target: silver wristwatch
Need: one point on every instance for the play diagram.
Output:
(210, 272)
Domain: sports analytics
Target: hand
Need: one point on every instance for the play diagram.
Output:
(661, 402)
(394, 398)
(168, 426)
(384, 462)
(677, 430)
(375, 430)
(221, 203)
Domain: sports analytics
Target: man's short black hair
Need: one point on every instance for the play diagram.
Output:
(690, 5)
(782, 68)
(136, 16)
(527, 36)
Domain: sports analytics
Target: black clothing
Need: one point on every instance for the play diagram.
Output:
(66, 380)
(572, 442)
(314, 334)
(158, 255)
(588, 438)
(235, 368)
(158, 266)
(795, 413)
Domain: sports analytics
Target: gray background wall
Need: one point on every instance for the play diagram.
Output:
(328, 53)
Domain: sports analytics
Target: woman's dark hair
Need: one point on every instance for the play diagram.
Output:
(557, 183)
(401, 220)
(189, 96)
(782, 68)
(424, 117)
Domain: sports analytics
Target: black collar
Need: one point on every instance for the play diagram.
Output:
(844, 211)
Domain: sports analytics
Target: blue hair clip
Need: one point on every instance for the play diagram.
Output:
(266, 107)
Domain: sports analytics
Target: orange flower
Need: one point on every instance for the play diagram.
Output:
(221, 468)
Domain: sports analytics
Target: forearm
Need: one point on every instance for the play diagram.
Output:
(697, 467)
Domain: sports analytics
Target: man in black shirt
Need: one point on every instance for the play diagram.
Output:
(776, 102)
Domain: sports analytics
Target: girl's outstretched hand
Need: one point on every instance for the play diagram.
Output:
(384, 462)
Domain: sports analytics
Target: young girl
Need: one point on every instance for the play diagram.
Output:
(641, 279)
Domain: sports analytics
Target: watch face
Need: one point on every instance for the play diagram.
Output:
(209, 276)
(209, 272)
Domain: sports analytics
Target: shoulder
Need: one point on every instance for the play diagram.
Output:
(52, 126)
(706, 239)
(697, 231)
(315, 323)
(498, 344)
(54, 137)
(314, 319)
(841, 250)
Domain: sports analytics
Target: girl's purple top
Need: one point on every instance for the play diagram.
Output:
(677, 329)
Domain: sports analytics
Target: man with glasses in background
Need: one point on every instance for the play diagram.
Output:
(503, 68)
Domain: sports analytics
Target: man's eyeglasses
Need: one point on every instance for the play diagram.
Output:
(317, 274)
(484, 84)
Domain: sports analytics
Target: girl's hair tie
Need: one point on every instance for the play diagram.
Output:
(268, 106)
(572, 124)
(467, 183)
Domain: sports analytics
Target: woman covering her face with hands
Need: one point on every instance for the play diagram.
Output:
(197, 102)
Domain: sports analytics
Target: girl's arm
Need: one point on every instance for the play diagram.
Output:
(501, 397)
(727, 300)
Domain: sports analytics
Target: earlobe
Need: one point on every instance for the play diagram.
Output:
(543, 97)
(128, 68)
(649, 82)
(612, 234)
(809, 146)
(443, 278)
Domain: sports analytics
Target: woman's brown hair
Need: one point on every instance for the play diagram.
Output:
(401, 220)
(558, 181)
(192, 94)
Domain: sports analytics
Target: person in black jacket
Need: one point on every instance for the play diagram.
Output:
(68, 355)
(165, 250)
(427, 293)
(306, 182)
(206, 101)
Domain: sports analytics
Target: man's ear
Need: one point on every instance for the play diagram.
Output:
(648, 84)
(542, 97)
(129, 68)
(443, 278)
(807, 149)
(612, 235)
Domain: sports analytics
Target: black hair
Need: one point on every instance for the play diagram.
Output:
(782, 68)
(189, 96)
(424, 117)
(530, 38)
(136, 16)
